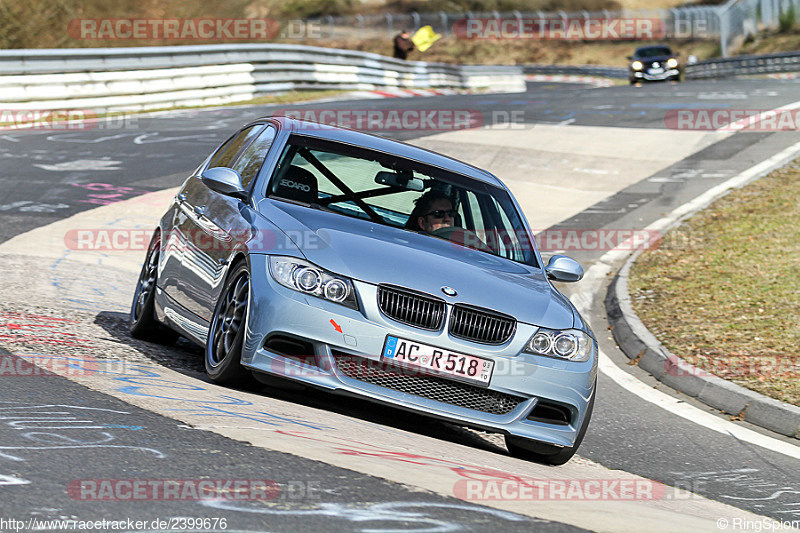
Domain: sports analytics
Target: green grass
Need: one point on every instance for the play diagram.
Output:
(723, 290)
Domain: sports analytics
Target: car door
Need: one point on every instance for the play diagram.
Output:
(219, 223)
(184, 263)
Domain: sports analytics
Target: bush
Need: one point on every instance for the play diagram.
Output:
(786, 20)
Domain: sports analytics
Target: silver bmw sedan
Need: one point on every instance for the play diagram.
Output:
(366, 266)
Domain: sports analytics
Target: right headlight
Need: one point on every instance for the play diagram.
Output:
(571, 344)
(637, 65)
(310, 279)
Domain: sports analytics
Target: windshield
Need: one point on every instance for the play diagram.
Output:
(393, 191)
(656, 51)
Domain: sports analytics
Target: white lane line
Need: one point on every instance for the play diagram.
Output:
(753, 121)
(12, 480)
(597, 273)
(691, 413)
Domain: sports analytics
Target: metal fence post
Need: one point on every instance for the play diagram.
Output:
(724, 23)
(415, 18)
(518, 16)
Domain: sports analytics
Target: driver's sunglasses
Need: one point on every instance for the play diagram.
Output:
(441, 213)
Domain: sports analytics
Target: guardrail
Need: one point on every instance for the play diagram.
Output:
(707, 69)
(753, 64)
(578, 70)
(158, 77)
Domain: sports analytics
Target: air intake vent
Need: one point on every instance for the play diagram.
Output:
(430, 387)
(550, 413)
(410, 307)
(481, 325)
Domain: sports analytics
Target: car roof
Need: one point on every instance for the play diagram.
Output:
(382, 144)
(649, 46)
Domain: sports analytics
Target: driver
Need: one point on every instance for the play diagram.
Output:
(433, 211)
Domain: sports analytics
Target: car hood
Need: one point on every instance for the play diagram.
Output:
(375, 254)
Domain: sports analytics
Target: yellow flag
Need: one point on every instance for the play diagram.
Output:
(424, 38)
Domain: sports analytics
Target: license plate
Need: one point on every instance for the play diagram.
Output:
(438, 360)
(656, 70)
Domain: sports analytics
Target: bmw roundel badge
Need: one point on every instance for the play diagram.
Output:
(450, 291)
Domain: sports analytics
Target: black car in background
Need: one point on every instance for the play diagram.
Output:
(654, 63)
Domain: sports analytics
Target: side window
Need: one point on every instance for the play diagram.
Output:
(472, 211)
(249, 163)
(228, 151)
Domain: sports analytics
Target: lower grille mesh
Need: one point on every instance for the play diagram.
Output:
(433, 388)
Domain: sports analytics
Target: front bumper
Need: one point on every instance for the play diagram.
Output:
(276, 310)
(646, 76)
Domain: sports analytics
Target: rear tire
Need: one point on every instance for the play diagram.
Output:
(549, 454)
(226, 334)
(143, 322)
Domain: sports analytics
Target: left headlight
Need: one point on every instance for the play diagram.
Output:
(571, 344)
(672, 62)
(310, 279)
(637, 65)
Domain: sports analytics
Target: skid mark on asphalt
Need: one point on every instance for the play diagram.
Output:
(25, 329)
(745, 484)
(47, 427)
(401, 516)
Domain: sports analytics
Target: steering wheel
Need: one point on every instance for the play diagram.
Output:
(461, 236)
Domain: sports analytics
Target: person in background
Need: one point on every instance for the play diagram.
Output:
(403, 44)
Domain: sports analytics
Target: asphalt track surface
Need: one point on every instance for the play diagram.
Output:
(47, 176)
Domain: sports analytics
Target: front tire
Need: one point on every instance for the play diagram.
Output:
(541, 452)
(143, 322)
(226, 334)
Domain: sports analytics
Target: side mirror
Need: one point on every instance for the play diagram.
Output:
(629, 57)
(225, 181)
(563, 268)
